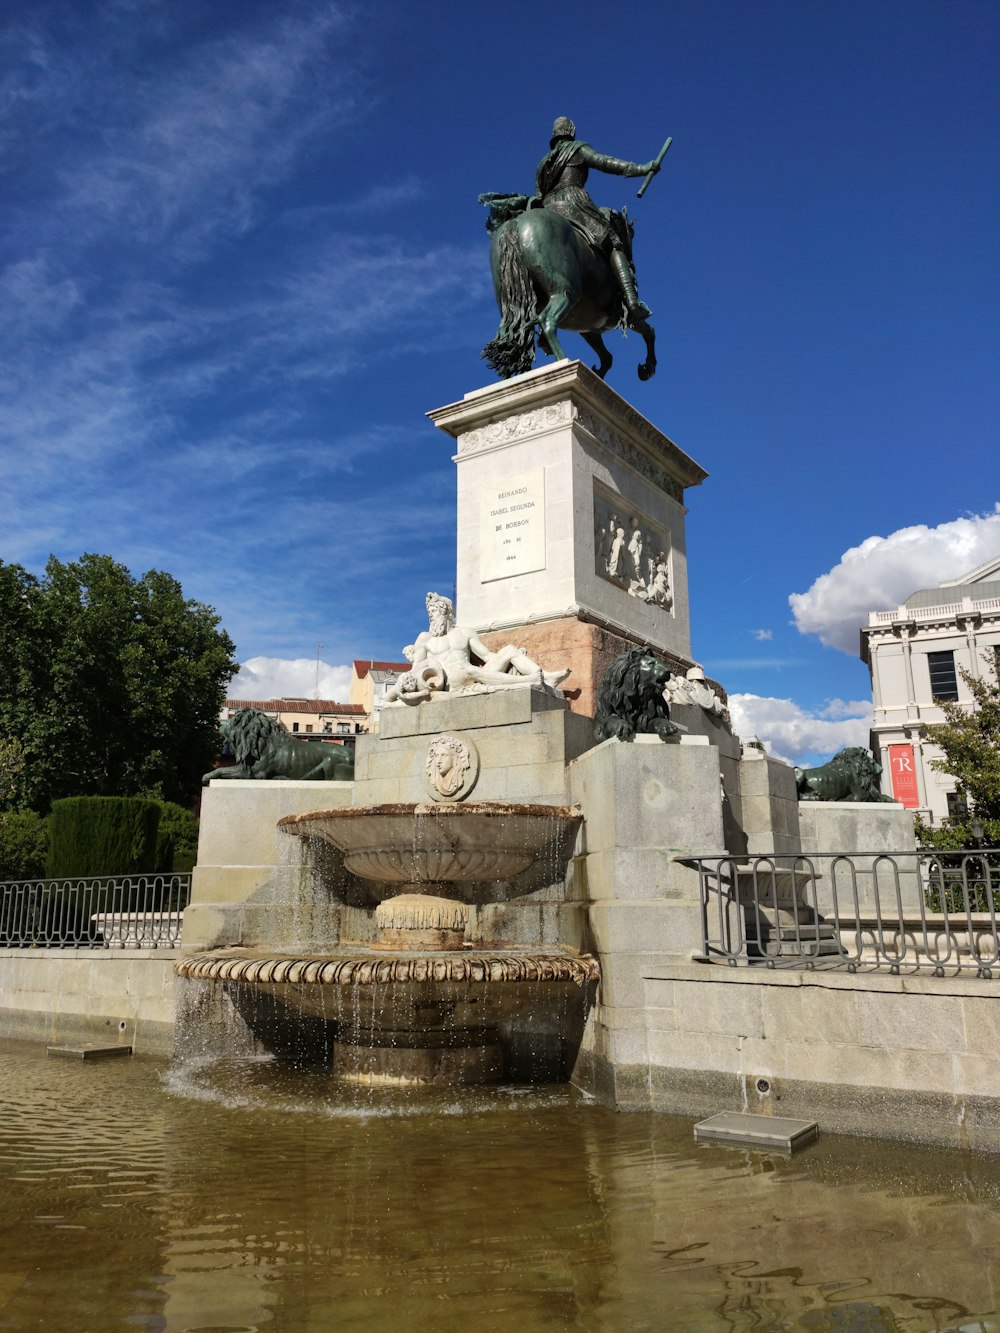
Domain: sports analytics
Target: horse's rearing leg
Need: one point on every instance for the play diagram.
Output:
(548, 322)
(596, 341)
(648, 367)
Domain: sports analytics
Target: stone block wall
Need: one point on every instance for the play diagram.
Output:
(249, 885)
(118, 997)
(645, 802)
(898, 1057)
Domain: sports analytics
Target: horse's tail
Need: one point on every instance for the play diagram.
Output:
(512, 351)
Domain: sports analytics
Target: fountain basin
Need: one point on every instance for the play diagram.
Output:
(475, 1016)
(429, 845)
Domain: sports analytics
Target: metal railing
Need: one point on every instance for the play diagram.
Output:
(100, 912)
(906, 911)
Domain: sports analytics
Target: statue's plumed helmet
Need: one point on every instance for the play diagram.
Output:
(563, 128)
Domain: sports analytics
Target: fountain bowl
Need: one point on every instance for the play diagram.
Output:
(427, 844)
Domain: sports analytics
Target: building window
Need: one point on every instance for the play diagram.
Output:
(944, 682)
(958, 807)
(309, 726)
(295, 726)
(344, 728)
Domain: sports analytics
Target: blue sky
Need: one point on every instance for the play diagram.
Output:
(242, 257)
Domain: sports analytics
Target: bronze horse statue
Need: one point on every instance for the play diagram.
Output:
(546, 274)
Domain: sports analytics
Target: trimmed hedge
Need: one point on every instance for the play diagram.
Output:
(102, 835)
(176, 838)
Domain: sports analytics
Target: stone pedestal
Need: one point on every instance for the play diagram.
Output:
(247, 887)
(645, 803)
(856, 827)
(523, 739)
(570, 508)
(769, 805)
(864, 831)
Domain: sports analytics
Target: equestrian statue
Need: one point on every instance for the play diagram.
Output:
(560, 262)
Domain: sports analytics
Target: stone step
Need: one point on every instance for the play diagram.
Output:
(757, 1131)
(806, 932)
(89, 1051)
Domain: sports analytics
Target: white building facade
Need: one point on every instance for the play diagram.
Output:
(915, 654)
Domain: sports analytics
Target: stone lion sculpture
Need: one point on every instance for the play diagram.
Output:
(263, 748)
(630, 700)
(851, 775)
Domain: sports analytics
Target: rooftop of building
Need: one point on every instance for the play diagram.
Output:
(952, 594)
(361, 669)
(978, 584)
(291, 704)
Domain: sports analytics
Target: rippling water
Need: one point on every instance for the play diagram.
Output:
(242, 1196)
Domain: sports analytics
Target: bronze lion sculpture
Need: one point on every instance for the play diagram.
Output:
(263, 748)
(630, 699)
(851, 775)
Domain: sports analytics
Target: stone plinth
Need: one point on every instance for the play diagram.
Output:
(550, 465)
(856, 827)
(523, 737)
(769, 805)
(645, 802)
(864, 831)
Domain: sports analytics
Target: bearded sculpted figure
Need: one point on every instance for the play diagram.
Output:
(449, 658)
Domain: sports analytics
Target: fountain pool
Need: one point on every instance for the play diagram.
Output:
(242, 1195)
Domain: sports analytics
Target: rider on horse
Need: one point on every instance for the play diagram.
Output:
(560, 181)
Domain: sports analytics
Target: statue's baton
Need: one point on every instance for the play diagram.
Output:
(659, 158)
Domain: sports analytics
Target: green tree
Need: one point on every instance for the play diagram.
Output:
(23, 844)
(11, 768)
(113, 684)
(970, 739)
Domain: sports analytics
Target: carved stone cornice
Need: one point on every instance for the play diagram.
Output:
(639, 459)
(568, 392)
(488, 966)
(516, 427)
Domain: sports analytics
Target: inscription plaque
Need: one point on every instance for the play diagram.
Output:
(512, 526)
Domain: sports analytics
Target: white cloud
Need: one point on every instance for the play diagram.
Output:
(762, 635)
(207, 132)
(883, 571)
(792, 733)
(296, 678)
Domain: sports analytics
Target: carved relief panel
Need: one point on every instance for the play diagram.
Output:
(451, 767)
(631, 552)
